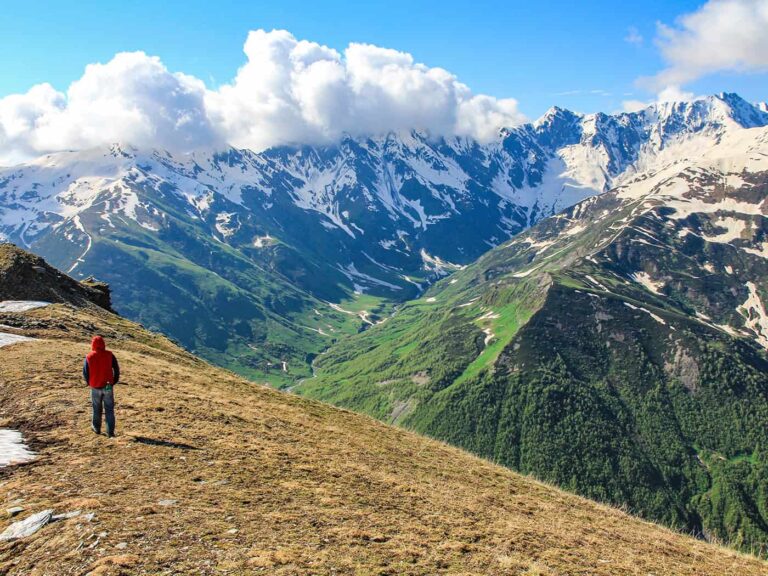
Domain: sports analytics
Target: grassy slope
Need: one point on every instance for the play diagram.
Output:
(639, 396)
(428, 345)
(266, 482)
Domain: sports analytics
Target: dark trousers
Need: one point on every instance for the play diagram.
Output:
(103, 400)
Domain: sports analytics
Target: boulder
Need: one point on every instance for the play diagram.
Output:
(26, 527)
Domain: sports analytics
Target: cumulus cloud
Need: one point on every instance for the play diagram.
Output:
(288, 91)
(132, 98)
(722, 35)
(298, 91)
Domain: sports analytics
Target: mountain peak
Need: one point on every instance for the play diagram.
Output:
(556, 114)
(123, 150)
(744, 113)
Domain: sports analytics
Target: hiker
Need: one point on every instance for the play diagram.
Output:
(101, 372)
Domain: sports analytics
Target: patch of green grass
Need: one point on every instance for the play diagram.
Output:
(503, 328)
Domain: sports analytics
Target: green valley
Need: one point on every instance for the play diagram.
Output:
(612, 350)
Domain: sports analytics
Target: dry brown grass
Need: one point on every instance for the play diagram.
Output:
(270, 483)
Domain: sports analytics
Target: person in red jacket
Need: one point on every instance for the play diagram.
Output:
(101, 372)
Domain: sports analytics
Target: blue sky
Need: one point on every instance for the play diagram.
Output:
(540, 53)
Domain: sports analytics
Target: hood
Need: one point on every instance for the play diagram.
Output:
(97, 344)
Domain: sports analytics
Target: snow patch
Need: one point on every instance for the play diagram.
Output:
(364, 315)
(79, 225)
(262, 241)
(12, 448)
(649, 283)
(762, 251)
(8, 339)
(577, 229)
(412, 281)
(27, 527)
(656, 317)
(540, 246)
(224, 224)
(351, 272)
(318, 330)
(438, 265)
(526, 272)
(21, 305)
(756, 318)
(387, 244)
(490, 315)
(734, 229)
(596, 283)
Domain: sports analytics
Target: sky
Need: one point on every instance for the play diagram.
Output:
(176, 72)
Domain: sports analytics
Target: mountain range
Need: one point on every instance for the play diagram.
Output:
(260, 261)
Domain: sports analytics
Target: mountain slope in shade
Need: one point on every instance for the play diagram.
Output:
(236, 254)
(617, 349)
(220, 476)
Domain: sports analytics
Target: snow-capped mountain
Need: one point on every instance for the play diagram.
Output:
(383, 202)
(382, 215)
(691, 234)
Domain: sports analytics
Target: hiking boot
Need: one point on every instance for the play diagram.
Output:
(95, 430)
(110, 434)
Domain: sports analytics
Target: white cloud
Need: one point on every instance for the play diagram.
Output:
(675, 94)
(634, 105)
(298, 91)
(288, 91)
(133, 98)
(668, 94)
(633, 36)
(722, 35)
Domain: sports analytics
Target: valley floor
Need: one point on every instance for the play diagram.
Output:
(211, 474)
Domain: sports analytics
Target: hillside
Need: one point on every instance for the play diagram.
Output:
(616, 349)
(24, 276)
(211, 474)
(237, 255)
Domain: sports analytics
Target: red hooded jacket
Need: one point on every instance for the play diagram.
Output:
(100, 368)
